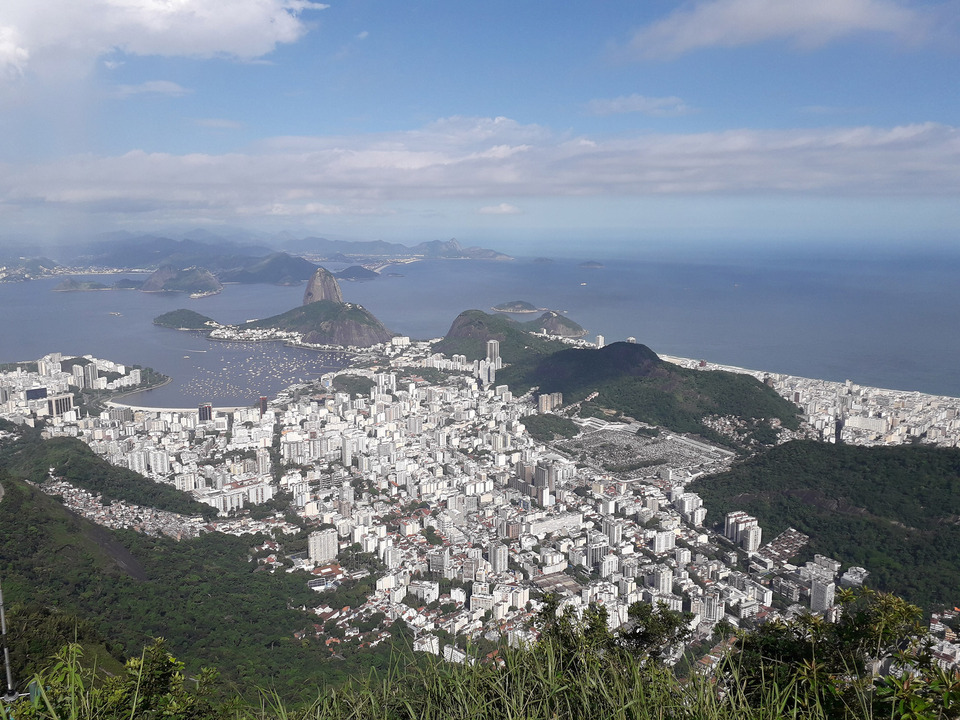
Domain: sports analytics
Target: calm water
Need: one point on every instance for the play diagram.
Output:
(885, 323)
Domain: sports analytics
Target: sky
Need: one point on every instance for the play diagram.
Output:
(517, 125)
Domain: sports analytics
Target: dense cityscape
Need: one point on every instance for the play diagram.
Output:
(468, 519)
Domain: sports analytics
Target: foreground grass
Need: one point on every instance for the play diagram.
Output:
(548, 683)
(800, 668)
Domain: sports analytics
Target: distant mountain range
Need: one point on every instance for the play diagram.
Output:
(434, 249)
(229, 260)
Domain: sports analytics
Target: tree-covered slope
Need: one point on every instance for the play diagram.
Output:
(471, 329)
(329, 322)
(892, 510)
(183, 319)
(630, 378)
(70, 459)
(553, 323)
(204, 596)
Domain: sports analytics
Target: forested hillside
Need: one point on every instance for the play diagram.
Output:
(892, 510)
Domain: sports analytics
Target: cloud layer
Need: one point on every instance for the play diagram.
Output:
(51, 35)
(490, 159)
(806, 23)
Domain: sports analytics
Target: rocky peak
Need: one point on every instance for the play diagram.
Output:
(322, 286)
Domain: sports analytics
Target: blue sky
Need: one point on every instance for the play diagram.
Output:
(522, 126)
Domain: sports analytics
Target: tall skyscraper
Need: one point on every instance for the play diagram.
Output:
(205, 412)
(600, 341)
(322, 546)
(263, 405)
(493, 353)
(750, 538)
(90, 375)
(498, 557)
(821, 595)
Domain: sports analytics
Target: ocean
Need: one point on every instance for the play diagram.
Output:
(881, 321)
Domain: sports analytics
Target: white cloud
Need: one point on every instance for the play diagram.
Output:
(60, 36)
(13, 56)
(501, 209)
(363, 35)
(151, 87)
(807, 23)
(486, 160)
(654, 106)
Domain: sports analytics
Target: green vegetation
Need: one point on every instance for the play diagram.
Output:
(803, 669)
(305, 318)
(213, 605)
(357, 272)
(76, 463)
(183, 320)
(73, 285)
(328, 322)
(193, 280)
(556, 324)
(516, 306)
(353, 384)
(470, 331)
(546, 428)
(892, 510)
(431, 535)
(37, 633)
(630, 379)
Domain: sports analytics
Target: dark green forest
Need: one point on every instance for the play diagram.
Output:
(471, 329)
(204, 596)
(892, 510)
(71, 459)
(630, 379)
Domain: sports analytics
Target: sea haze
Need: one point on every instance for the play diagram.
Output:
(881, 322)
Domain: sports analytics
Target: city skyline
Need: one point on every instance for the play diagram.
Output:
(633, 125)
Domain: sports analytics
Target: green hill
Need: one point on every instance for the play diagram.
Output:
(328, 322)
(183, 319)
(471, 329)
(631, 379)
(214, 606)
(516, 306)
(892, 510)
(553, 323)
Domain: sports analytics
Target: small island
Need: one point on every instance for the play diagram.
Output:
(185, 320)
(517, 306)
(72, 285)
(357, 273)
(591, 265)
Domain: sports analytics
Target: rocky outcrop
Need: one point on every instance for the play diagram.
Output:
(322, 286)
(553, 323)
